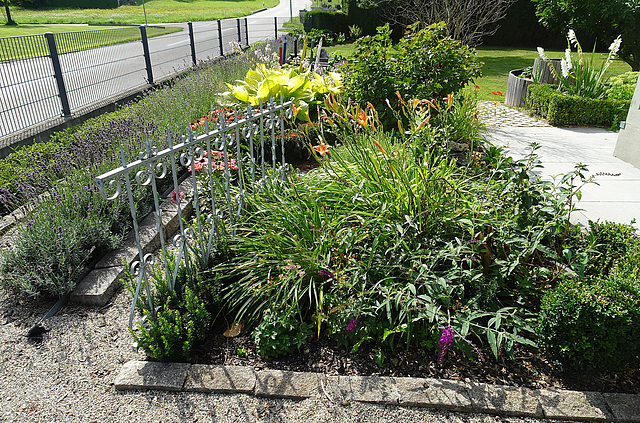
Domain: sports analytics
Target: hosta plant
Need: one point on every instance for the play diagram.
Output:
(305, 88)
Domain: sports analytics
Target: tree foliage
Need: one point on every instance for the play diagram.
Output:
(466, 20)
(604, 19)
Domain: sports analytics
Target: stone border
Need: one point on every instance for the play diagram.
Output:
(100, 284)
(422, 392)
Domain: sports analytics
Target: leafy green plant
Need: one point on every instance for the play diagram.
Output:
(280, 333)
(171, 333)
(587, 324)
(581, 76)
(607, 244)
(304, 88)
(427, 65)
(622, 87)
(355, 32)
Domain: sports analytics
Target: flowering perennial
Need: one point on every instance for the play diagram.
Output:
(446, 339)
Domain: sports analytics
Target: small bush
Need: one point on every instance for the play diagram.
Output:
(179, 324)
(428, 65)
(621, 87)
(280, 333)
(608, 243)
(592, 324)
(562, 110)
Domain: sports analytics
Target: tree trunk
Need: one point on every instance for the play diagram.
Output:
(10, 21)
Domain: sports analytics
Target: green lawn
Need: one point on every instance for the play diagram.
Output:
(499, 61)
(23, 47)
(158, 11)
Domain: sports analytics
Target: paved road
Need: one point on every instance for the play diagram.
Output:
(29, 93)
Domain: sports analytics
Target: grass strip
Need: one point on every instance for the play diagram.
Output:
(24, 47)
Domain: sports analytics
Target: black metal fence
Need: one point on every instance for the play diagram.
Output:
(52, 76)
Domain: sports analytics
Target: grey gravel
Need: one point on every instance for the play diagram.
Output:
(68, 377)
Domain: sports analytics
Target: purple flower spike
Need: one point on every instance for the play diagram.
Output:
(353, 324)
(325, 273)
(446, 339)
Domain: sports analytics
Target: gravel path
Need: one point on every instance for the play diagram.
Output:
(68, 377)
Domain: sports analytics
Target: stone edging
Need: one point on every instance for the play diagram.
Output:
(99, 285)
(424, 392)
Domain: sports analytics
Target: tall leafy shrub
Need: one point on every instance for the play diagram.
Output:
(427, 65)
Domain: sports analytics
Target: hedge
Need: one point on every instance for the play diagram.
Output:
(322, 19)
(592, 324)
(563, 110)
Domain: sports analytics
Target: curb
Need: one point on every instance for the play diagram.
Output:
(405, 391)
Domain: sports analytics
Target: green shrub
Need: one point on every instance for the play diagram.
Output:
(427, 65)
(621, 87)
(592, 324)
(368, 76)
(61, 235)
(607, 244)
(171, 335)
(563, 110)
(280, 333)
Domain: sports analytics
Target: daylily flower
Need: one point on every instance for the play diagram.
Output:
(322, 149)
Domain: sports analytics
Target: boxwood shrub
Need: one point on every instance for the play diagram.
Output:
(562, 110)
(592, 324)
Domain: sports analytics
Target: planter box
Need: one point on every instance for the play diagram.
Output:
(542, 70)
(516, 89)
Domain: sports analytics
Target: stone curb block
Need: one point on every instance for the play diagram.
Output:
(152, 375)
(505, 400)
(574, 405)
(100, 284)
(625, 407)
(97, 287)
(290, 385)
(220, 379)
(424, 392)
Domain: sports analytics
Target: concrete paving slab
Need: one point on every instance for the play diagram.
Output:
(505, 400)
(574, 405)
(285, 384)
(152, 375)
(625, 407)
(220, 379)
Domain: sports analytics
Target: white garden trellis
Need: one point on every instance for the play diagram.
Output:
(239, 136)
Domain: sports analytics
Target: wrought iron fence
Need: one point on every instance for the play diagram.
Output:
(248, 136)
(49, 76)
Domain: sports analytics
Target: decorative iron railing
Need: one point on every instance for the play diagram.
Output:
(245, 136)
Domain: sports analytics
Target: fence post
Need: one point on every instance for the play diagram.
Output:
(57, 70)
(147, 56)
(193, 44)
(246, 29)
(220, 37)
(275, 22)
(239, 33)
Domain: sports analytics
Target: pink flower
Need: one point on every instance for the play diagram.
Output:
(176, 196)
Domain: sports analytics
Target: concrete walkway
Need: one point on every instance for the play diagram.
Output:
(614, 194)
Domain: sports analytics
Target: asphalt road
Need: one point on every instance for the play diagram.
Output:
(29, 91)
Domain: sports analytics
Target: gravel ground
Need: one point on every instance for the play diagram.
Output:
(68, 377)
